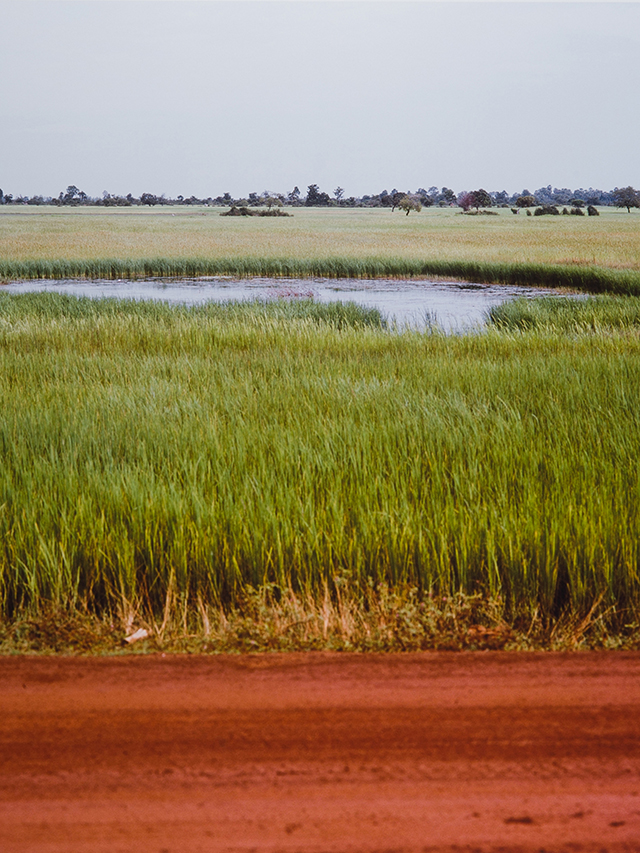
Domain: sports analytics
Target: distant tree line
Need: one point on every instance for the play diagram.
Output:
(625, 197)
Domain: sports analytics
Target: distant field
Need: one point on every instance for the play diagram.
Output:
(27, 233)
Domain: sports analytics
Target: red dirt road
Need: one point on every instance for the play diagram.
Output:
(323, 753)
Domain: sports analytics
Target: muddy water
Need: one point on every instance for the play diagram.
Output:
(455, 306)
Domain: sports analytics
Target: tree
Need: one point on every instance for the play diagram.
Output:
(72, 196)
(315, 198)
(409, 203)
(465, 201)
(395, 198)
(423, 197)
(480, 198)
(626, 197)
(448, 195)
(526, 201)
(477, 198)
(294, 196)
(148, 198)
(338, 193)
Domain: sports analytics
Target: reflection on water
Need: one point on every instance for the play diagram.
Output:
(455, 306)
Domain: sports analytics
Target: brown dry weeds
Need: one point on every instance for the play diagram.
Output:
(270, 619)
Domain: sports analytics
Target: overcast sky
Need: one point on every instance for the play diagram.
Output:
(206, 97)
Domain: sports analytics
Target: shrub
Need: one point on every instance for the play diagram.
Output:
(239, 211)
(409, 203)
(466, 201)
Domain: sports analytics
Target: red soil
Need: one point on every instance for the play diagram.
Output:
(428, 752)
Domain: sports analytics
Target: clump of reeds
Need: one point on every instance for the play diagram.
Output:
(595, 314)
(287, 306)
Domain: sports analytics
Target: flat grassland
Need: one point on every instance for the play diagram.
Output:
(52, 242)
(277, 476)
(611, 240)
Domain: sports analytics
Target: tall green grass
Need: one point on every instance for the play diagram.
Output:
(153, 453)
(50, 307)
(593, 314)
(592, 279)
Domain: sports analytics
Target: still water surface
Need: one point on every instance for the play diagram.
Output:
(455, 306)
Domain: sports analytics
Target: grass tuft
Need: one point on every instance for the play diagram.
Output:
(595, 314)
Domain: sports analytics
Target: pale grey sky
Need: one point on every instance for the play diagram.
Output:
(208, 97)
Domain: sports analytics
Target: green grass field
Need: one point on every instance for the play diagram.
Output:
(292, 475)
(297, 476)
(600, 253)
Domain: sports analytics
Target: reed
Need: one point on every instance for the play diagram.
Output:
(174, 457)
(585, 315)
(582, 278)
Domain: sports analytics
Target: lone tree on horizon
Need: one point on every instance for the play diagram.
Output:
(409, 203)
(626, 197)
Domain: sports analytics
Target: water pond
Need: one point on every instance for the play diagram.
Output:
(454, 306)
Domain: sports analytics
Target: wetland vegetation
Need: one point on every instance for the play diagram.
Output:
(595, 254)
(295, 475)
(298, 475)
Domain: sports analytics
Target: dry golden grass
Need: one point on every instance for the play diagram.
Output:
(611, 240)
(275, 620)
